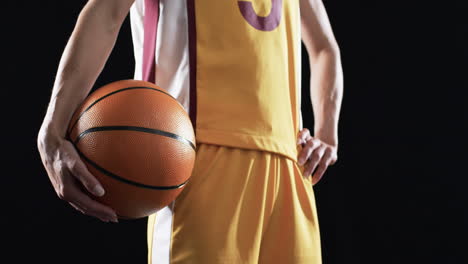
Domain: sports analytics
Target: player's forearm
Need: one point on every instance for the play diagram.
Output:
(326, 91)
(326, 85)
(82, 61)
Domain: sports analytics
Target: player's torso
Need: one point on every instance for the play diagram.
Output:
(236, 64)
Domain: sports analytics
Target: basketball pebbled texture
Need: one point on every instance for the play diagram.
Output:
(139, 143)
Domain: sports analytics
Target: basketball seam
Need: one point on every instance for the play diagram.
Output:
(112, 93)
(127, 181)
(136, 129)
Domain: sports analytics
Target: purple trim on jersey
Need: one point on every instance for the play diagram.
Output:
(267, 23)
(192, 36)
(149, 43)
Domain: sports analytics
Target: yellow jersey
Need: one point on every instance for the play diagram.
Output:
(244, 71)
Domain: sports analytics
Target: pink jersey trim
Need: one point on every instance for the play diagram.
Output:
(149, 44)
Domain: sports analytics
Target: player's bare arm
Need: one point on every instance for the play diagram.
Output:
(326, 90)
(83, 59)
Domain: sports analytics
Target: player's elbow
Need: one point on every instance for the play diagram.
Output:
(330, 50)
(330, 47)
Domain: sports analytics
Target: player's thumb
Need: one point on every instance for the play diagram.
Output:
(90, 182)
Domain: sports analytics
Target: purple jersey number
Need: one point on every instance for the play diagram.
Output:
(267, 23)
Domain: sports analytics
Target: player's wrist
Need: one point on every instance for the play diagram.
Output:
(329, 136)
(49, 137)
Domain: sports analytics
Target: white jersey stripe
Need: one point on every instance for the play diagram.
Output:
(172, 57)
(162, 235)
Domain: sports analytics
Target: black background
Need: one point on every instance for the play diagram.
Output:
(397, 194)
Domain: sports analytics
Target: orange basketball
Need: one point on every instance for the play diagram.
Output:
(138, 141)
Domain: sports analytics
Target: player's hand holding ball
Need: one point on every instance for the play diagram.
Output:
(316, 155)
(130, 138)
(70, 177)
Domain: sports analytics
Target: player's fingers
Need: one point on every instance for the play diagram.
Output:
(322, 167)
(318, 173)
(314, 160)
(307, 151)
(303, 136)
(79, 170)
(77, 208)
(71, 192)
(333, 158)
(91, 207)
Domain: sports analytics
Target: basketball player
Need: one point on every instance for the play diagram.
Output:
(235, 66)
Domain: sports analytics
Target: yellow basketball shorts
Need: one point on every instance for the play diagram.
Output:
(239, 207)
